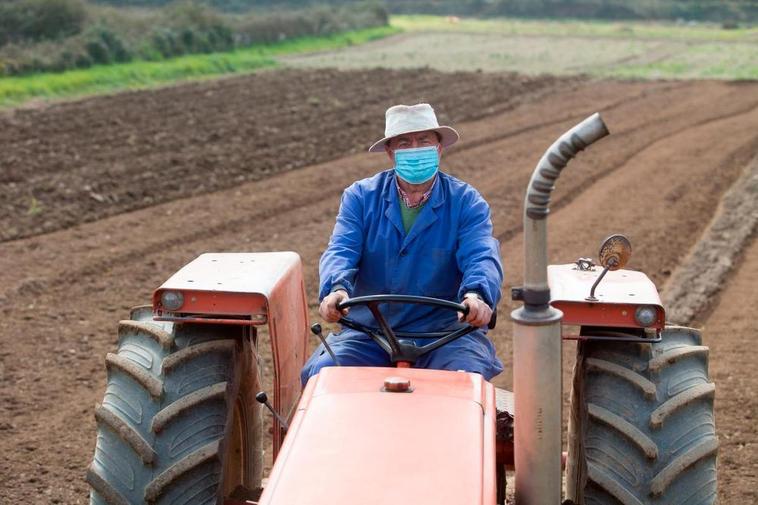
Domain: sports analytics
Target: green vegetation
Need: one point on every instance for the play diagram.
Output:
(711, 61)
(60, 35)
(597, 48)
(236, 5)
(576, 28)
(107, 78)
(40, 20)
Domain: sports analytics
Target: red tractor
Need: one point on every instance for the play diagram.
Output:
(181, 420)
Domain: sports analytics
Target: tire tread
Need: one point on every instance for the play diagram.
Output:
(150, 383)
(180, 406)
(191, 352)
(125, 432)
(670, 406)
(128, 326)
(102, 487)
(645, 444)
(658, 399)
(611, 486)
(181, 382)
(189, 462)
(673, 355)
(665, 477)
(629, 375)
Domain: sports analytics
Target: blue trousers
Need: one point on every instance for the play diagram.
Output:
(472, 353)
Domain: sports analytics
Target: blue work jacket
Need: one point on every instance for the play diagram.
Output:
(448, 251)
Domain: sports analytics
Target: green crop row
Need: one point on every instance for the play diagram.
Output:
(140, 74)
(634, 30)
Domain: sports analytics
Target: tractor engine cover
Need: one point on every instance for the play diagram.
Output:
(353, 440)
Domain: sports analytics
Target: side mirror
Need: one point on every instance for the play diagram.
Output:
(615, 252)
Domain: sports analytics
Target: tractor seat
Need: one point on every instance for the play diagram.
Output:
(506, 408)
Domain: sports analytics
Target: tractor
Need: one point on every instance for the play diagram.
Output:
(181, 421)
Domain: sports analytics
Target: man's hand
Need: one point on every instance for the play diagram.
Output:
(479, 313)
(328, 307)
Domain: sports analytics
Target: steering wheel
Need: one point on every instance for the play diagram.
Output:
(388, 338)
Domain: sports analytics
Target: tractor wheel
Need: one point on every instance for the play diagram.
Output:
(641, 427)
(179, 422)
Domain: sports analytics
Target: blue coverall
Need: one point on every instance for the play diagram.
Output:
(449, 251)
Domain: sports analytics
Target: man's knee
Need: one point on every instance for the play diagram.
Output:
(353, 352)
(486, 368)
(318, 360)
(474, 354)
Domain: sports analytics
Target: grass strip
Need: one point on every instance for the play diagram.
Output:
(627, 50)
(142, 74)
(575, 28)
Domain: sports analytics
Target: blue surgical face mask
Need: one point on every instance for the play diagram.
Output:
(418, 164)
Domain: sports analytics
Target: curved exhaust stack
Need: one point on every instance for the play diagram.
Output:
(537, 333)
(537, 201)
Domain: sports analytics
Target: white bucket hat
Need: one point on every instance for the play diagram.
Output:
(402, 119)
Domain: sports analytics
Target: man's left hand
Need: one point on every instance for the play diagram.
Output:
(479, 313)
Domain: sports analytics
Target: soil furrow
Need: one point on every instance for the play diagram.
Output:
(80, 162)
(285, 203)
(578, 188)
(730, 333)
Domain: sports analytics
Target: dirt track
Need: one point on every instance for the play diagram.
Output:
(676, 148)
(731, 355)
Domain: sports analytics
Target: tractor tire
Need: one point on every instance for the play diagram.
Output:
(179, 422)
(641, 424)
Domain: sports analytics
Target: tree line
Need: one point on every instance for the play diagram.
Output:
(689, 10)
(59, 35)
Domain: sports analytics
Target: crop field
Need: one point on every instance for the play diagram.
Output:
(144, 74)
(103, 198)
(602, 49)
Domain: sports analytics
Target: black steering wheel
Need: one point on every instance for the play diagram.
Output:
(388, 338)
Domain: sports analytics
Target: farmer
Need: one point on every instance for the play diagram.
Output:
(412, 230)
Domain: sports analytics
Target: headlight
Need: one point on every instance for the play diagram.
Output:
(172, 300)
(646, 315)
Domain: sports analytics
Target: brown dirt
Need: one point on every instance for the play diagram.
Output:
(83, 161)
(693, 287)
(62, 293)
(732, 330)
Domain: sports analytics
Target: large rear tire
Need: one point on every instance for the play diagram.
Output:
(641, 426)
(179, 422)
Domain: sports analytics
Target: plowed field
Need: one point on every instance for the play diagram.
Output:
(87, 160)
(129, 188)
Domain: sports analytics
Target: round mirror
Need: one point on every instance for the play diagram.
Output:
(615, 252)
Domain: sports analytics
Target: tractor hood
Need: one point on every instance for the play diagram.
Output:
(351, 442)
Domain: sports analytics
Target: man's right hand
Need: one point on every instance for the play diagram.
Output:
(328, 307)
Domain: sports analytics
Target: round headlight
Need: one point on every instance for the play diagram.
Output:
(172, 300)
(646, 315)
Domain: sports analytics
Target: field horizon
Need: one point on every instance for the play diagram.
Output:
(615, 50)
(625, 50)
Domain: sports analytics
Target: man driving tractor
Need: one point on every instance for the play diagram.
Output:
(412, 230)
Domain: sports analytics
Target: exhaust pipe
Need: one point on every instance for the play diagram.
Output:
(537, 333)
